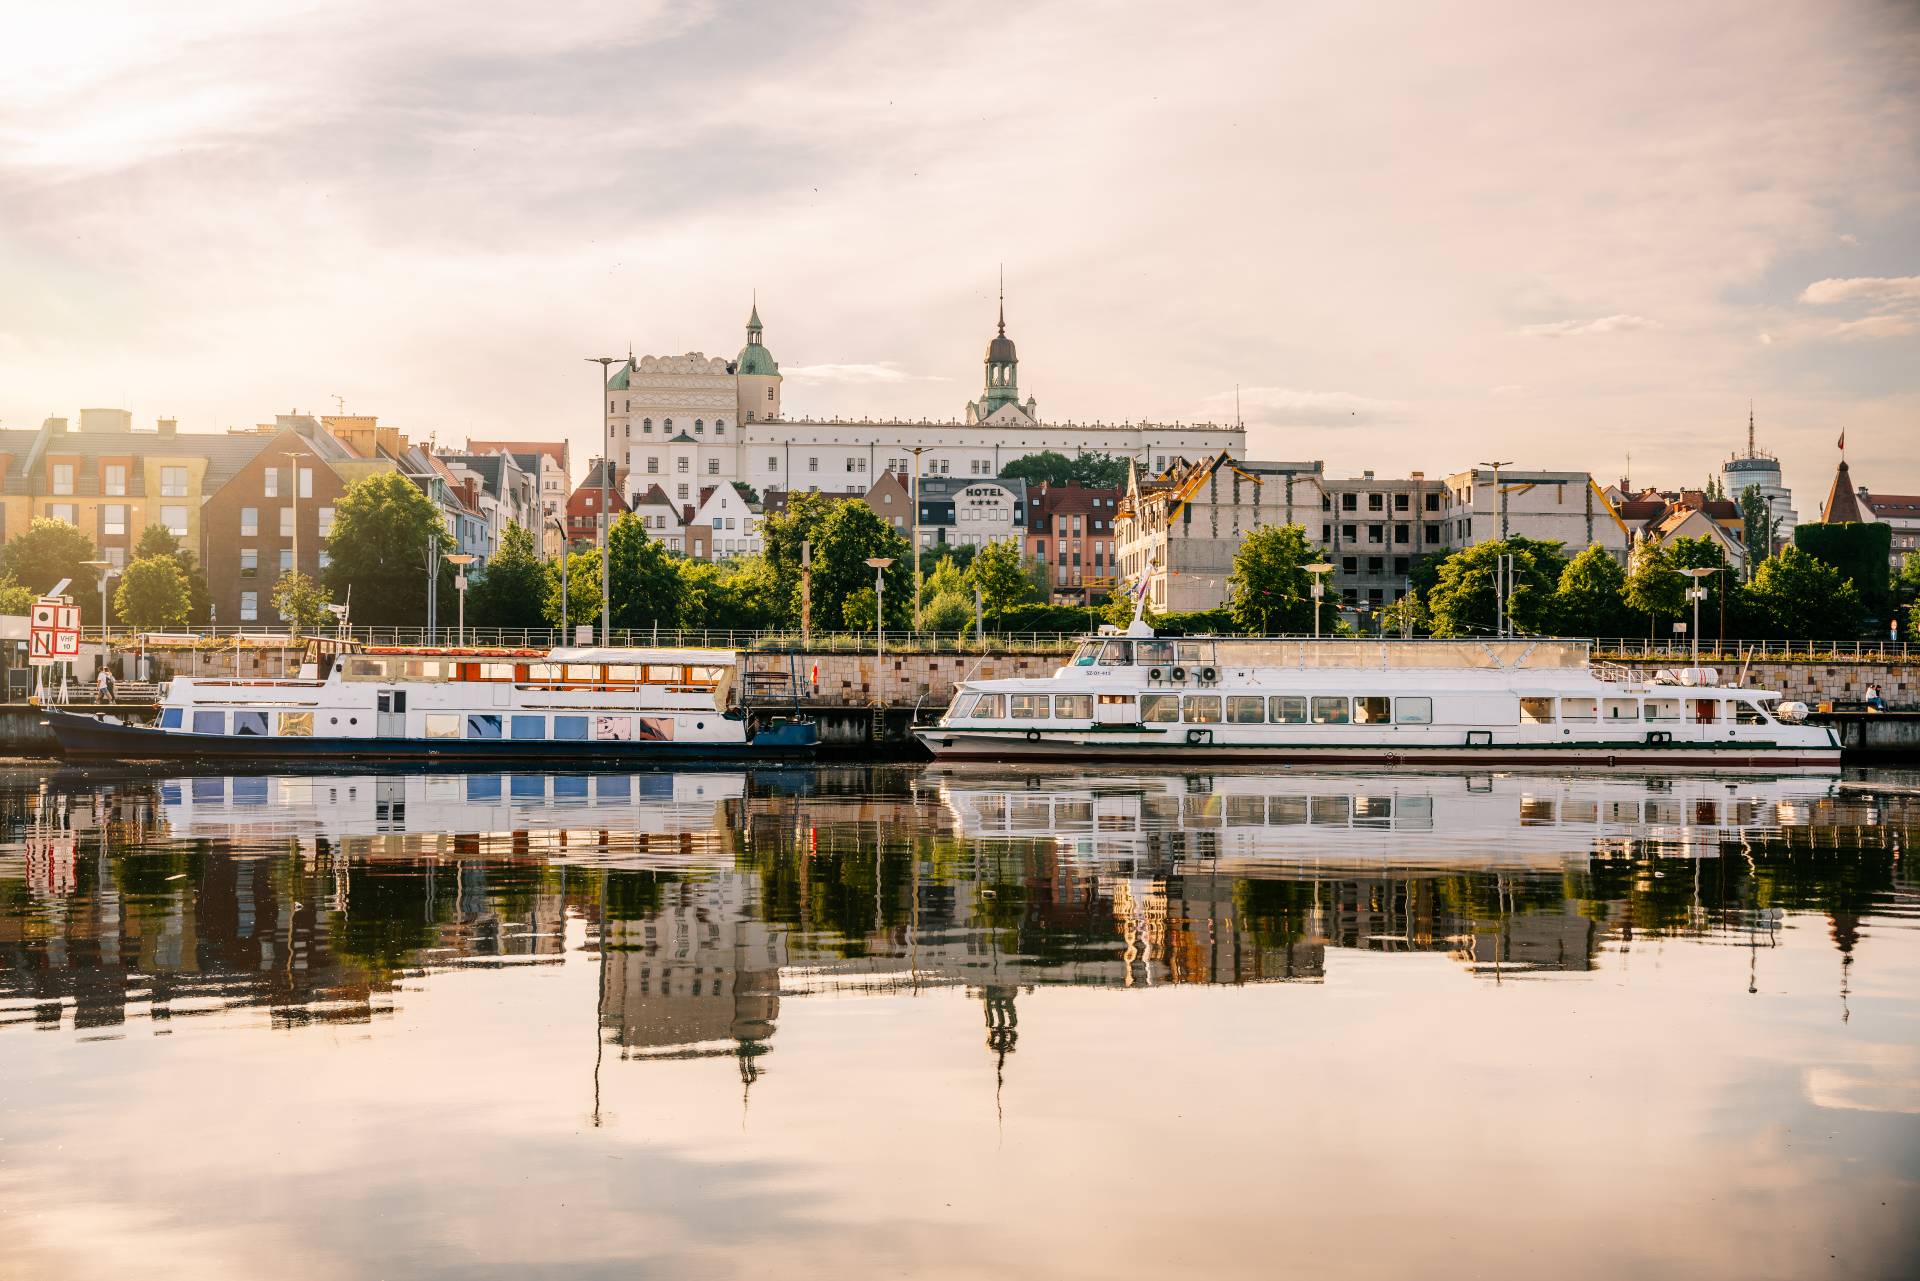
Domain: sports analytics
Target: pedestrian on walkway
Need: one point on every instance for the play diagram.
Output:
(1874, 702)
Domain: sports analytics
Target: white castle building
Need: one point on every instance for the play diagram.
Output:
(687, 422)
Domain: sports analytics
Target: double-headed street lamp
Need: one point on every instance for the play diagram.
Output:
(1499, 494)
(1319, 572)
(106, 572)
(460, 561)
(1697, 593)
(879, 564)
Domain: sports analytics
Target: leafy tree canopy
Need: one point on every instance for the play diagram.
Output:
(1795, 596)
(302, 602)
(1464, 599)
(153, 595)
(844, 534)
(1588, 601)
(582, 578)
(383, 527)
(1270, 591)
(157, 540)
(16, 597)
(1861, 551)
(511, 591)
(1095, 470)
(643, 580)
(50, 550)
(1001, 576)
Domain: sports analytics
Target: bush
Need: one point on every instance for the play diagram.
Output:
(1198, 622)
(1044, 618)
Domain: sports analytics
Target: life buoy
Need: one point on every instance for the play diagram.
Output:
(1179, 673)
(1209, 674)
(1033, 736)
(1195, 737)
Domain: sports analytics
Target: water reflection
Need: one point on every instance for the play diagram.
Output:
(711, 898)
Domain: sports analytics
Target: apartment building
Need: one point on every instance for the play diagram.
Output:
(1179, 529)
(583, 505)
(1070, 536)
(1552, 506)
(271, 517)
(1374, 531)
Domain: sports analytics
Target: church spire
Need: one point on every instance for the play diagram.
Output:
(1003, 300)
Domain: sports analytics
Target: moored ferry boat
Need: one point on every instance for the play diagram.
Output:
(582, 705)
(1140, 698)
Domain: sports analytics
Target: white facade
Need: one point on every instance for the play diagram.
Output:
(1552, 506)
(661, 517)
(732, 525)
(696, 420)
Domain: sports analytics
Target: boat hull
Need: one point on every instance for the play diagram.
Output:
(89, 737)
(1011, 747)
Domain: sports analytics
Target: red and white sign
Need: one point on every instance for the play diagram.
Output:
(54, 636)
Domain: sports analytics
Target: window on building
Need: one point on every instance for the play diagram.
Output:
(1349, 564)
(813, 464)
(653, 466)
(773, 462)
(286, 559)
(1376, 533)
(173, 482)
(306, 482)
(116, 557)
(1349, 502)
(286, 522)
(270, 482)
(113, 518)
(1433, 501)
(681, 465)
(719, 426)
(175, 519)
(114, 478)
(1433, 535)
(700, 426)
(646, 426)
(683, 491)
(713, 466)
(63, 478)
(249, 607)
(1350, 533)
(325, 518)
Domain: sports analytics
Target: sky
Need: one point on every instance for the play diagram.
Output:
(1413, 236)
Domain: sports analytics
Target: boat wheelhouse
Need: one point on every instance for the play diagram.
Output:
(578, 704)
(1371, 702)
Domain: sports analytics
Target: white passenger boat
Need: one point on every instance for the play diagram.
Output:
(566, 705)
(1138, 697)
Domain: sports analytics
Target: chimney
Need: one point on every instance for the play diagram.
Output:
(168, 426)
(1419, 475)
(55, 425)
(1366, 475)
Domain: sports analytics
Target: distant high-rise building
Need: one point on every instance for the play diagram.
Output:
(1761, 469)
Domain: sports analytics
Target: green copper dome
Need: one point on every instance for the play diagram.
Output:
(754, 357)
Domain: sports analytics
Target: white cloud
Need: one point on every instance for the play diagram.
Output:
(1598, 325)
(885, 371)
(1880, 291)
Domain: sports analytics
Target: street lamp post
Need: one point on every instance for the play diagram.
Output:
(1319, 572)
(562, 530)
(915, 499)
(106, 572)
(879, 564)
(294, 492)
(460, 561)
(1697, 593)
(1499, 494)
(606, 465)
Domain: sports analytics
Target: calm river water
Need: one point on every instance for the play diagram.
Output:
(900, 1021)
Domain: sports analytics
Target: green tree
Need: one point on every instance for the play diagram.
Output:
(1049, 466)
(947, 612)
(157, 540)
(643, 581)
(49, 550)
(1589, 599)
(383, 528)
(16, 597)
(844, 534)
(1759, 527)
(1656, 589)
(1707, 552)
(153, 595)
(1795, 596)
(1464, 598)
(511, 591)
(738, 595)
(1862, 552)
(1002, 578)
(583, 590)
(1269, 591)
(301, 602)
(856, 613)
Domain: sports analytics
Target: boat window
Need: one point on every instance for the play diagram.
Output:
(992, 707)
(613, 788)
(209, 722)
(1536, 711)
(496, 671)
(295, 725)
(1027, 707)
(1246, 709)
(1663, 709)
(1372, 811)
(663, 673)
(1706, 711)
(1086, 654)
(1745, 713)
(1152, 653)
(1116, 654)
(483, 725)
(1200, 709)
(963, 706)
(543, 671)
(1328, 710)
(1287, 709)
(1371, 709)
(1159, 709)
(1202, 811)
(483, 787)
(527, 787)
(1621, 709)
(424, 669)
(707, 675)
(169, 718)
(571, 728)
(1246, 811)
(1579, 709)
(1413, 710)
(1072, 707)
(529, 727)
(1536, 811)
(1286, 811)
(443, 724)
(613, 729)
(624, 672)
(583, 671)
(1194, 651)
(366, 669)
(1330, 811)
(249, 722)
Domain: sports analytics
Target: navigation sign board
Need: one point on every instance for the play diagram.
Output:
(54, 634)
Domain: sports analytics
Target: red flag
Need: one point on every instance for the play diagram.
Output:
(1843, 440)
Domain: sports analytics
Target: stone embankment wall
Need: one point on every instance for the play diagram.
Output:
(897, 680)
(1841, 683)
